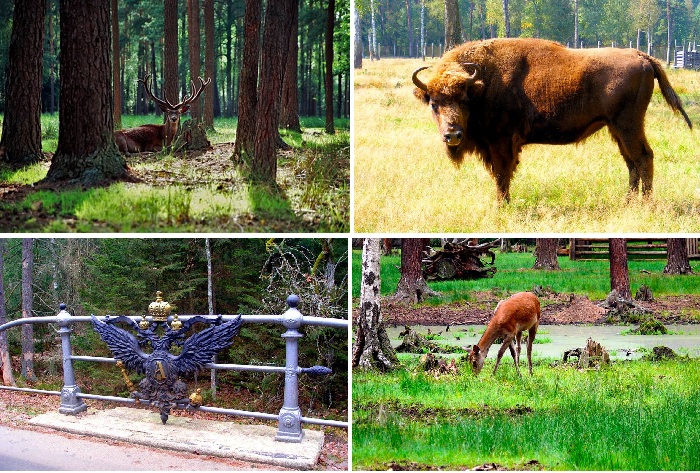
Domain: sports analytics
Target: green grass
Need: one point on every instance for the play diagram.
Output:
(587, 277)
(399, 161)
(631, 416)
(207, 195)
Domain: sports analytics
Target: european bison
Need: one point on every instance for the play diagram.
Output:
(492, 97)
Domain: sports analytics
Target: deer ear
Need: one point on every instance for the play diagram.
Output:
(184, 108)
(475, 349)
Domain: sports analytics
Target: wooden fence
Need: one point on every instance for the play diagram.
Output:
(637, 248)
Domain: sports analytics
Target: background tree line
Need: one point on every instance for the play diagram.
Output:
(121, 276)
(141, 51)
(400, 28)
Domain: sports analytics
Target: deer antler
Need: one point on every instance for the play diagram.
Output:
(165, 104)
(194, 93)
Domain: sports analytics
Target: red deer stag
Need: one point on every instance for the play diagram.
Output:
(154, 137)
(514, 315)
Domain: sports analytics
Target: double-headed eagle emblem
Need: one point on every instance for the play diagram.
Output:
(162, 386)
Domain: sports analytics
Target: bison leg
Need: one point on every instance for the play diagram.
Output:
(503, 162)
(639, 158)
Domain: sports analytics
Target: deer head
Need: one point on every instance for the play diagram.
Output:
(173, 112)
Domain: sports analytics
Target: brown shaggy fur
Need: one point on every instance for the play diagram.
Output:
(537, 91)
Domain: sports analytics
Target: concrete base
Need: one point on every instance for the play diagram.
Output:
(253, 443)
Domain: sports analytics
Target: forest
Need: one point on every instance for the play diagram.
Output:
(405, 28)
(121, 277)
(248, 89)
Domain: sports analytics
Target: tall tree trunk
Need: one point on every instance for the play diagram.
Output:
(453, 28)
(228, 104)
(422, 29)
(116, 84)
(357, 38)
(193, 34)
(412, 288)
(619, 274)
(677, 257)
(330, 23)
(409, 28)
(86, 152)
(170, 49)
(209, 63)
(27, 309)
(289, 115)
(372, 348)
(506, 19)
(5, 362)
(21, 127)
(210, 304)
(275, 48)
(248, 83)
(546, 254)
(52, 60)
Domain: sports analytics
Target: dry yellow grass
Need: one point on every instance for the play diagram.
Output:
(404, 183)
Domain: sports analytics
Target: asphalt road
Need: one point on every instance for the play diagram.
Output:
(30, 450)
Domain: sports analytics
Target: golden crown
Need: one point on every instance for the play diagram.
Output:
(160, 309)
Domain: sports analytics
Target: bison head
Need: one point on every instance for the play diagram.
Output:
(448, 95)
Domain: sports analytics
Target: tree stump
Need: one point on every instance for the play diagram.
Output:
(644, 294)
(192, 137)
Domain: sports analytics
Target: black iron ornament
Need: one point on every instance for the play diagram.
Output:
(162, 386)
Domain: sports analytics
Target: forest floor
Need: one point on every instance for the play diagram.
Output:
(556, 309)
(17, 408)
(194, 192)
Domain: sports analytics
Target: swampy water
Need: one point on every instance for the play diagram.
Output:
(683, 339)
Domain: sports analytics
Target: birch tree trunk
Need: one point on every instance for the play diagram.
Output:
(210, 300)
(27, 307)
(5, 362)
(372, 348)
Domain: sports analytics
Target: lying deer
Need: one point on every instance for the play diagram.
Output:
(514, 315)
(155, 137)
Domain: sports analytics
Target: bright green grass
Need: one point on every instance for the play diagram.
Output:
(630, 416)
(317, 180)
(588, 277)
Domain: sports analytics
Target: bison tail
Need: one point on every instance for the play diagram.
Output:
(667, 91)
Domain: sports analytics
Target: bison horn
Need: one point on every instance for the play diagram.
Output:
(417, 81)
(477, 70)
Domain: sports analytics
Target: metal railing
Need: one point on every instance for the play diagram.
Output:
(289, 418)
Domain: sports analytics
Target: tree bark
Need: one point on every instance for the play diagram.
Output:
(328, 79)
(409, 28)
(27, 308)
(546, 254)
(21, 127)
(453, 29)
(619, 274)
(677, 257)
(289, 115)
(357, 38)
(209, 68)
(116, 84)
(170, 50)
(86, 151)
(275, 48)
(412, 288)
(372, 348)
(248, 83)
(193, 35)
(5, 362)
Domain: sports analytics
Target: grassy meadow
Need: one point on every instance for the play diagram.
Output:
(404, 182)
(201, 192)
(632, 415)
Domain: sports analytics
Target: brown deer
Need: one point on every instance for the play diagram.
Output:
(154, 137)
(514, 315)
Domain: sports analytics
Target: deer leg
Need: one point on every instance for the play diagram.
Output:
(518, 336)
(530, 339)
(507, 343)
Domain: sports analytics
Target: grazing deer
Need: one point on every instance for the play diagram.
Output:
(154, 137)
(514, 315)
